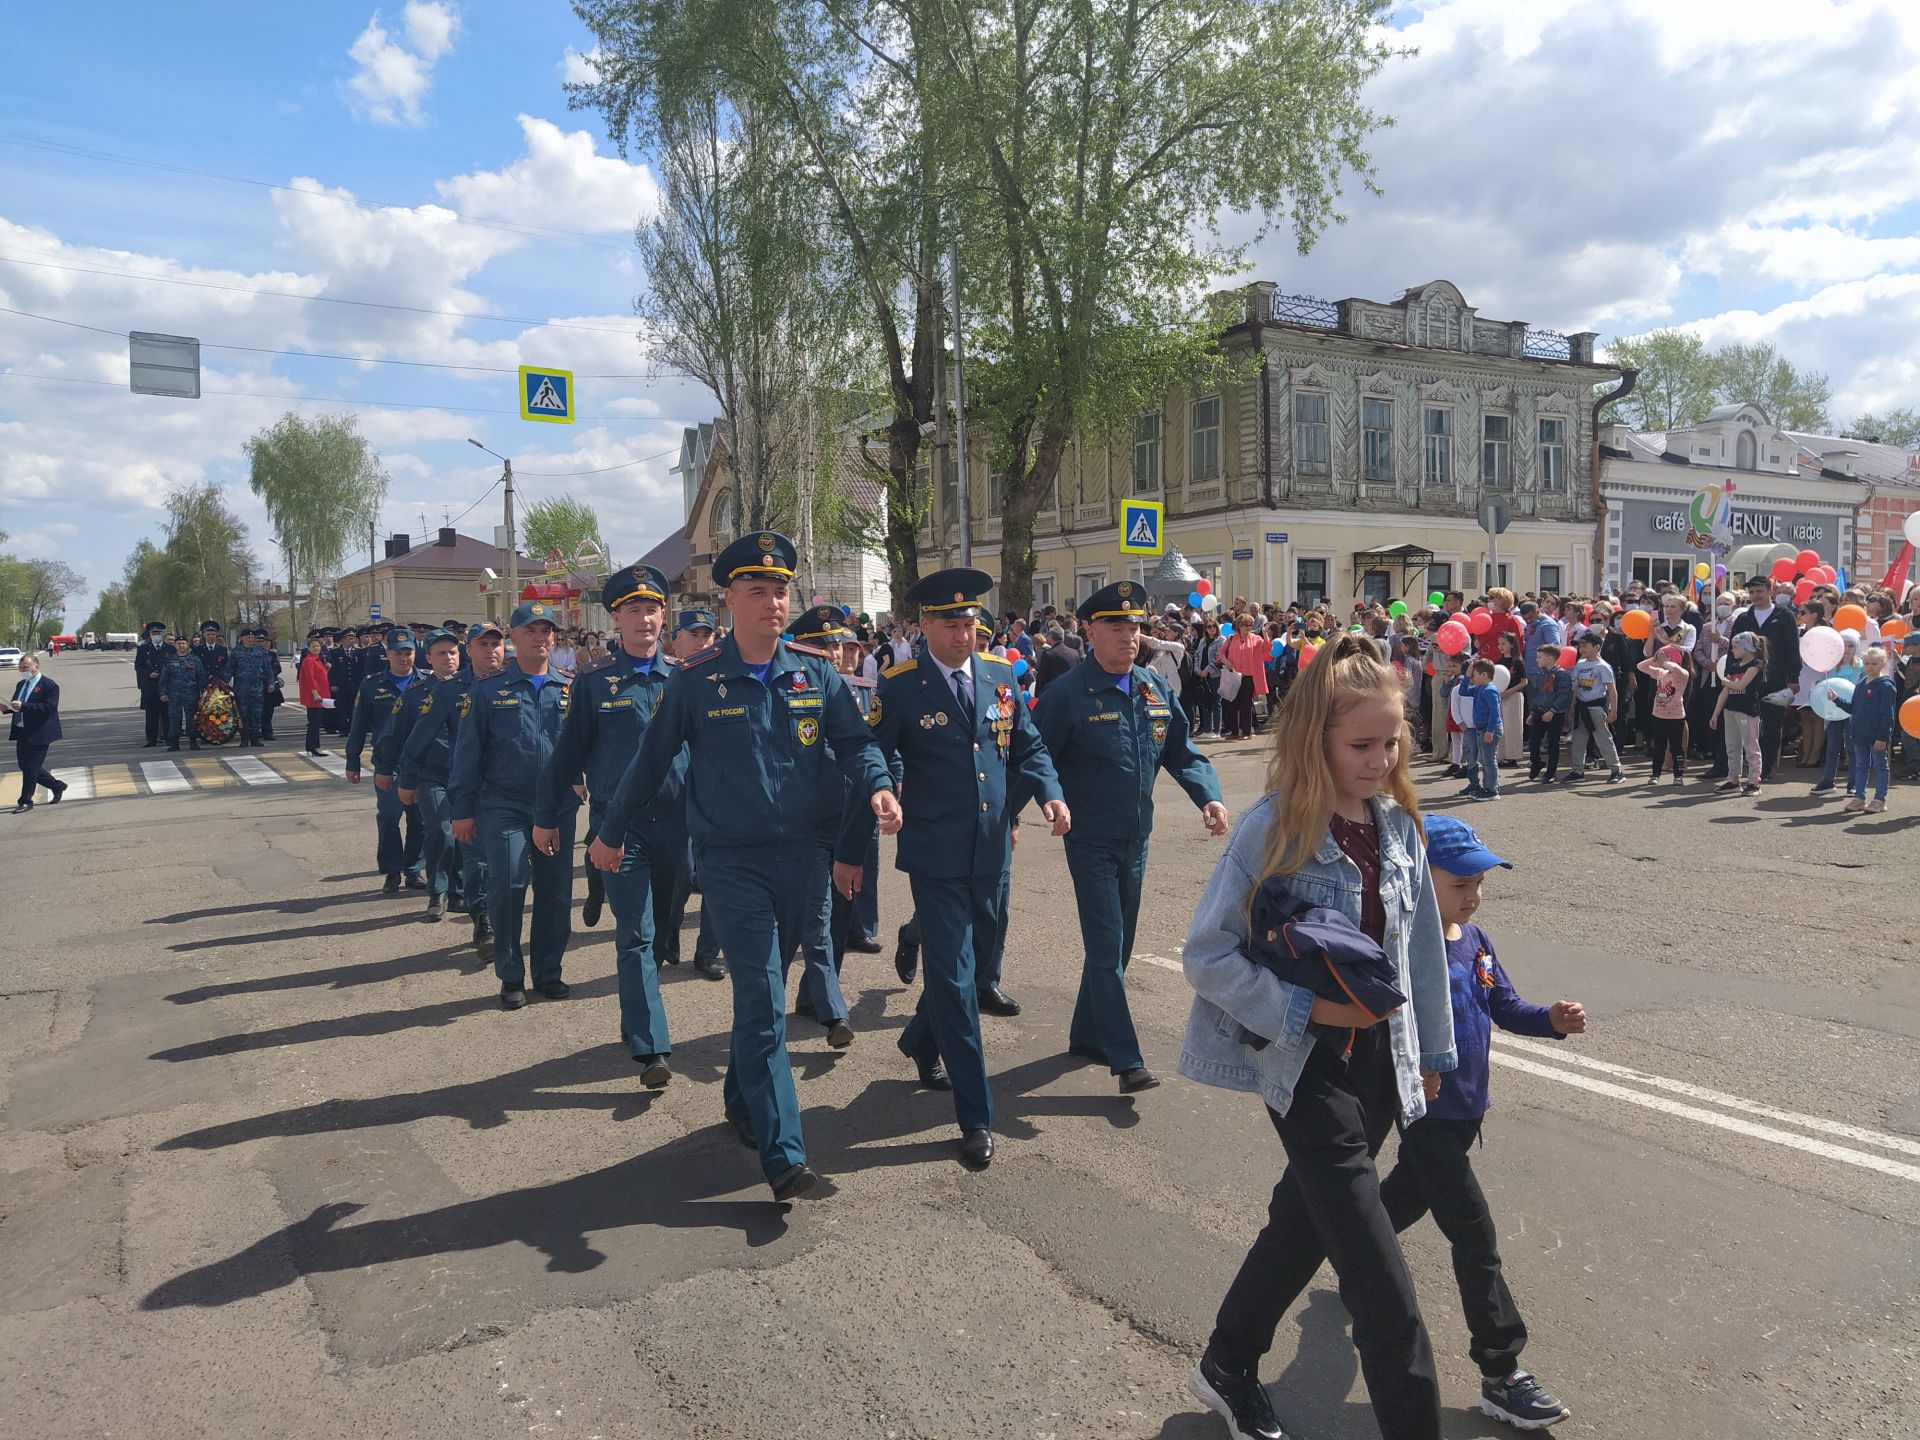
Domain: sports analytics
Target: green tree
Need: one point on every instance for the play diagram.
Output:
(1757, 374)
(321, 483)
(144, 578)
(561, 523)
(1899, 426)
(112, 611)
(1678, 381)
(33, 594)
(204, 565)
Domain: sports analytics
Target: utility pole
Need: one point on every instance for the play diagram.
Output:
(936, 502)
(513, 545)
(960, 410)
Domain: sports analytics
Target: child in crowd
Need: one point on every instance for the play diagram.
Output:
(1340, 825)
(1459, 717)
(1849, 669)
(1435, 1171)
(1869, 732)
(1550, 701)
(1483, 725)
(1739, 710)
(1667, 725)
(1596, 707)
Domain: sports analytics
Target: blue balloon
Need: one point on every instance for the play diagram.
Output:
(1827, 695)
(1193, 599)
(1279, 648)
(1020, 666)
(1226, 629)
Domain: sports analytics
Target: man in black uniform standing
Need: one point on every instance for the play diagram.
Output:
(148, 660)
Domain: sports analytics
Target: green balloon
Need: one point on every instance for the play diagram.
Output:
(1397, 608)
(1436, 598)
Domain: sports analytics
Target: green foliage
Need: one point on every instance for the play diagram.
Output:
(1899, 426)
(560, 523)
(1759, 375)
(31, 594)
(200, 570)
(1681, 380)
(321, 483)
(112, 611)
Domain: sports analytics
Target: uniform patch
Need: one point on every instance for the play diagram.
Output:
(466, 703)
(808, 729)
(901, 669)
(1159, 732)
(699, 655)
(767, 542)
(727, 712)
(873, 711)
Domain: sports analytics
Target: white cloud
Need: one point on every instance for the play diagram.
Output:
(394, 75)
(577, 68)
(561, 183)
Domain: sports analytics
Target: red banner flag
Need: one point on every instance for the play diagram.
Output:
(1896, 580)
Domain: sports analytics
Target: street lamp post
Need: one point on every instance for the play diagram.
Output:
(513, 542)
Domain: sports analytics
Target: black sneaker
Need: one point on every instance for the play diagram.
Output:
(1573, 775)
(1240, 1400)
(555, 990)
(436, 909)
(1521, 1402)
(513, 997)
(392, 885)
(1616, 776)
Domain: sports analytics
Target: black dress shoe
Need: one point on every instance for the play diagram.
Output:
(840, 1035)
(392, 886)
(976, 1149)
(590, 909)
(742, 1129)
(794, 1183)
(483, 941)
(23, 807)
(998, 1002)
(906, 958)
(456, 906)
(415, 880)
(714, 969)
(933, 1075)
(56, 795)
(513, 997)
(654, 1073)
(1137, 1079)
(1086, 1052)
(864, 945)
(151, 743)
(555, 989)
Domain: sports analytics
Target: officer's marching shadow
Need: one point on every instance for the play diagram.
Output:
(460, 956)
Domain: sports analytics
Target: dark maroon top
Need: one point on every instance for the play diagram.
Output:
(1361, 844)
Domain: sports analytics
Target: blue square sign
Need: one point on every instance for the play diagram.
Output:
(546, 395)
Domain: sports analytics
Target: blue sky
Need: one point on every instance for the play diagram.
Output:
(1741, 167)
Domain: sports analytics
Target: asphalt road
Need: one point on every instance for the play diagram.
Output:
(272, 1161)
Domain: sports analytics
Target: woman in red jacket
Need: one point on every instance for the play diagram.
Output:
(315, 694)
(1248, 651)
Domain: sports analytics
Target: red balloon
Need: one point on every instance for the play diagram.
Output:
(1807, 560)
(1783, 569)
(1567, 658)
(1803, 592)
(1203, 587)
(1825, 575)
(1479, 622)
(1307, 652)
(1452, 638)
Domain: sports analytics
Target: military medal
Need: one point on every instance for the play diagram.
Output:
(721, 691)
(940, 718)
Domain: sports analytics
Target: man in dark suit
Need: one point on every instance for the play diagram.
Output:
(148, 661)
(35, 708)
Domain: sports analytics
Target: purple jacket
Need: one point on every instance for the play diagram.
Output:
(1482, 998)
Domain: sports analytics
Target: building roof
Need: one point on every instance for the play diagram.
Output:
(466, 554)
(673, 556)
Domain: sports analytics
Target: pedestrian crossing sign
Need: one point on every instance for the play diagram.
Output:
(546, 395)
(1142, 527)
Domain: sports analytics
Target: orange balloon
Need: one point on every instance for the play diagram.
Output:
(1893, 628)
(1851, 617)
(1910, 716)
(1636, 624)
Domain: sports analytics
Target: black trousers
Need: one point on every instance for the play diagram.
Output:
(1328, 1206)
(1667, 738)
(156, 718)
(32, 759)
(1548, 729)
(314, 716)
(1435, 1173)
(1773, 719)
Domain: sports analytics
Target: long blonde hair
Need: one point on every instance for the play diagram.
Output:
(1346, 672)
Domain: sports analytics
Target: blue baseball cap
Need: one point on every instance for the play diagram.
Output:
(400, 638)
(533, 612)
(1455, 847)
(694, 620)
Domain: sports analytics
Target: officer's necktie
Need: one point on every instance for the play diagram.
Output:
(963, 692)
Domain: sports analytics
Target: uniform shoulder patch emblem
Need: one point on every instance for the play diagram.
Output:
(901, 669)
(873, 711)
(466, 703)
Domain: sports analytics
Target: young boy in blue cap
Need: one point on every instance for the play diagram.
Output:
(1434, 1171)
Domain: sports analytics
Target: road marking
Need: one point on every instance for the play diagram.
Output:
(1162, 962)
(163, 777)
(1716, 1097)
(79, 782)
(334, 765)
(288, 768)
(113, 781)
(207, 774)
(1898, 1169)
(252, 769)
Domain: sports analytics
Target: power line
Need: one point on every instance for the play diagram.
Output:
(315, 354)
(525, 320)
(572, 237)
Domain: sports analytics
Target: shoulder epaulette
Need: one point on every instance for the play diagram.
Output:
(813, 650)
(700, 656)
(902, 668)
(602, 663)
(992, 659)
(860, 682)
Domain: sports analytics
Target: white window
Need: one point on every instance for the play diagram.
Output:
(1310, 580)
(1437, 428)
(1553, 454)
(1376, 440)
(1550, 578)
(1146, 454)
(1496, 452)
(1203, 451)
(1043, 591)
(1440, 576)
(1085, 582)
(1664, 569)
(1312, 450)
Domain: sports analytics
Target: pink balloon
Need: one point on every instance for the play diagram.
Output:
(1479, 621)
(1452, 638)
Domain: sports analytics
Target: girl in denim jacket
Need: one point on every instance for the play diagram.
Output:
(1341, 821)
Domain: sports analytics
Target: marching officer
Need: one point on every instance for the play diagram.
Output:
(182, 678)
(1111, 726)
(212, 651)
(693, 631)
(761, 719)
(251, 679)
(343, 679)
(373, 713)
(856, 917)
(149, 661)
(506, 738)
(423, 699)
(953, 717)
(613, 703)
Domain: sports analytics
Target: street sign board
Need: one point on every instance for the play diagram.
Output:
(373, 611)
(1243, 554)
(546, 394)
(1494, 516)
(1142, 527)
(163, 365)
(1276, 537)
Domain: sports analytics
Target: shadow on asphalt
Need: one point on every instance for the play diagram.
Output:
(282, 907)
(334, 977)
(338, 929)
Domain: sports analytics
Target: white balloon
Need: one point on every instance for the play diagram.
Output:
(1209, 603)
(1912, 528)
(1502, 678)
(1821, 648)
(1720, 667)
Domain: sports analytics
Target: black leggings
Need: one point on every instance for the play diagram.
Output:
(1668, 738)
(1328, 1205)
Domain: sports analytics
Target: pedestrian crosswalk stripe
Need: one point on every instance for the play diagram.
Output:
(79, 783)
(112, 781)
(163, 777)
(252, 769)
(289, 768)
(206, 774)
(335, 765)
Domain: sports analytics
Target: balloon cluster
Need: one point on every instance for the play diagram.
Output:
(1807, 572)
(1202, 598)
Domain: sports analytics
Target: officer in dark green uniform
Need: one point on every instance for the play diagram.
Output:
(505, 740)
(424, 700)
(1111, 727)
(756, 715)
(954, 718)
(373, 713)
(613, 702)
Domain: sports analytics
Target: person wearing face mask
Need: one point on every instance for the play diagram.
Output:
(1709, 646)
(1774, 623)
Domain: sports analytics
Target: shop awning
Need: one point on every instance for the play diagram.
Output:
(534, 591)
(1751, 560)
(1411, 559)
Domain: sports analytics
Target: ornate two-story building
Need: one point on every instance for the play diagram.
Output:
(1351, 458)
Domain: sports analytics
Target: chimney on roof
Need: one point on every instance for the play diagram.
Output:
(447, 536)
(398, 545)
